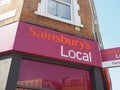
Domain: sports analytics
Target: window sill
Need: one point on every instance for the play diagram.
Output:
(59, 19)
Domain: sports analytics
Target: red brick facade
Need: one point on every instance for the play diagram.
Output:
(25, 12)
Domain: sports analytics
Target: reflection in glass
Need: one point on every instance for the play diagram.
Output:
(64, 11)
(43, 75)
(51, 7)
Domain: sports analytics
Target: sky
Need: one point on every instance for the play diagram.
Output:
(109, 23)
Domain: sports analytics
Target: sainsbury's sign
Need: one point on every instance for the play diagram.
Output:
(65, 40)
(111, 57)
(51, 44)
(56, 37)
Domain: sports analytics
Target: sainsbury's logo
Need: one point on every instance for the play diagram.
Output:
(59, 38)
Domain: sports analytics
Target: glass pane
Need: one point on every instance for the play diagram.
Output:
(54, 77)
(63, 11)
(67, 1)
(52, 7)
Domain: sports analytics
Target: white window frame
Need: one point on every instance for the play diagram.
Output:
(75, 18)
(4, 2)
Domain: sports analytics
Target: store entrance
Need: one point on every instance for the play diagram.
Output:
(35, 75)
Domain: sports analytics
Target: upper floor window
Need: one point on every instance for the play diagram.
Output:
(3, 2)
(62, 10)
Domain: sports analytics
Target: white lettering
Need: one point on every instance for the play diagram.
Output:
(62, 54)
(90, 57)
(71, 54)
(85, 57)
(117, 55)
(76, 55)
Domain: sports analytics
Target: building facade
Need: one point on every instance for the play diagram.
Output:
(50, 45)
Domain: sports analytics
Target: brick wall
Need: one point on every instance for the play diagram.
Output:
(28, 15)
(85, 12)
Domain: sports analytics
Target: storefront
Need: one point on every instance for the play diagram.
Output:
(111, 62)
(111, 57)
(41, 58)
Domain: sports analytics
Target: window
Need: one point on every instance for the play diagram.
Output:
(62, 10)
(3, 2)
(44, 76)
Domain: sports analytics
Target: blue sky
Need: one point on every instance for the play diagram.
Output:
(109, 22)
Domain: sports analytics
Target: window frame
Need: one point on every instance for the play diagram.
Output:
(75, 18)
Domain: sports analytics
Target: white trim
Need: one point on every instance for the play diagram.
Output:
(4, 2)
(75, 18)
(7, 15)
(62, 2)
(112, 63)
(59, 19)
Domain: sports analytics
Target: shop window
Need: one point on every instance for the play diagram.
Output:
(44, 76)
(62, 10)
(4, 2)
